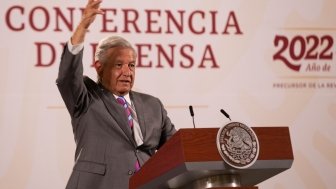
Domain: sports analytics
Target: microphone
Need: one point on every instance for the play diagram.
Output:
(226, 114)
(192, 115)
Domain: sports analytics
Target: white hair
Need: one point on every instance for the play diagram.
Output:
(110, 42)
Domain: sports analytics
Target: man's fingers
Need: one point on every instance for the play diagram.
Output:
(91, 1)
(95, 3)
(90, 12)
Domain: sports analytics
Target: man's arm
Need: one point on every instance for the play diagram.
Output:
(70, 76)
(89, 15)
(168, 128)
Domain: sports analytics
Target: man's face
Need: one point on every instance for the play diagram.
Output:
(118, 72)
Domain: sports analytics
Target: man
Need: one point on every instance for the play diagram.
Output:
(116, 129)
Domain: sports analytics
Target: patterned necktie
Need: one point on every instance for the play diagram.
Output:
(121, 100)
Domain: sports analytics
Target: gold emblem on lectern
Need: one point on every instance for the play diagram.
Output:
(238, 145)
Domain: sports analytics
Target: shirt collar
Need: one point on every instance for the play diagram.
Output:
(127, 98)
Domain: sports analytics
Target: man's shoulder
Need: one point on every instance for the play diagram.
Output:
(143, 96)
(91, 85)
(89, 81)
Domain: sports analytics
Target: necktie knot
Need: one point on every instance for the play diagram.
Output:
(121, 100)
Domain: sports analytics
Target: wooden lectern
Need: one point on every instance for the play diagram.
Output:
(190, 160)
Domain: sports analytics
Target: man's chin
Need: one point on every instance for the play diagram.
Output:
(124, 91)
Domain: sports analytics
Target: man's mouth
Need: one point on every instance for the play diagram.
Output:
(125, 81)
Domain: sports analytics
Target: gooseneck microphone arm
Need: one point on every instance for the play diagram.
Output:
(192, 115)
(226, 114)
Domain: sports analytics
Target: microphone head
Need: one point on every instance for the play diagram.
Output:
(191, 111)
(226, 114)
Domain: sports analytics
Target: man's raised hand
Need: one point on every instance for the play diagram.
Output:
(90, 12)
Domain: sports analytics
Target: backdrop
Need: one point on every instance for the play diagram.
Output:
(266, 62)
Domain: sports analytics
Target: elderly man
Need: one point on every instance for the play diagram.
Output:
(116, 129)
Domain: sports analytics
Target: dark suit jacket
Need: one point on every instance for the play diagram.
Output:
(106, 152)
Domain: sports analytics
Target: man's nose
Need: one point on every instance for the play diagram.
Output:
(126, 70)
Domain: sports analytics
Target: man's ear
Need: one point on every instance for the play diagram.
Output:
(98, 66)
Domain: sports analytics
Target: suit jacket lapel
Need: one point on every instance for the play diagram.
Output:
(140, 109)
(117, 112)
